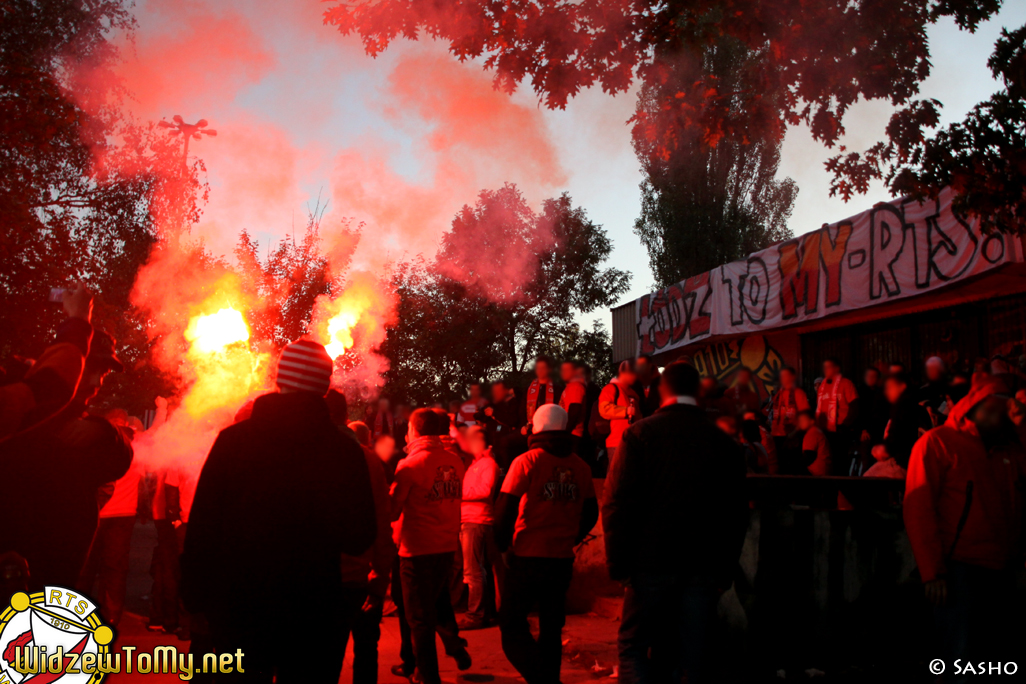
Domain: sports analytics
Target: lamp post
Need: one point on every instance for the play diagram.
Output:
(196, 131)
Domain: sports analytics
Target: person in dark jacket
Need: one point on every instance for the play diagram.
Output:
(647, 384)
(546, 507)
(56, 473)
(908, 422)
(281, 497)
(501, 421)
(674, 516)
(51, 382)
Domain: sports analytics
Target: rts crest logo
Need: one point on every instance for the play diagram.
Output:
(53, 635)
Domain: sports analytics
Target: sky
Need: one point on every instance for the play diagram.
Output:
(402, 142)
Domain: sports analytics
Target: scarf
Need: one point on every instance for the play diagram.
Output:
(532, 396)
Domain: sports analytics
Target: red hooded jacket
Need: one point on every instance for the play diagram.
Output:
(943, 464)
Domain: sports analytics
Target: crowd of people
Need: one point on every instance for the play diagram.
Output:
(303, 514)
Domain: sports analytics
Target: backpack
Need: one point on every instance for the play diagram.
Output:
(597, 425)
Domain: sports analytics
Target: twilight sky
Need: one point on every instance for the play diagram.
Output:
(401, 142)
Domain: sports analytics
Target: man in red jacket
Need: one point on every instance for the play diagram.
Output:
(963, 510)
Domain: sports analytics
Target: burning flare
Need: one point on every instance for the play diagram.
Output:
(213, 333)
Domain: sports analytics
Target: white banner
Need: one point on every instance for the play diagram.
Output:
(895, 250)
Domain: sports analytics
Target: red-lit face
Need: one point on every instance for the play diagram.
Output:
(787, 379)
(566, 372)
(805, 422)
(542, 370)
(475, 392)
(893, 390)
(498, 392)
(830, 369)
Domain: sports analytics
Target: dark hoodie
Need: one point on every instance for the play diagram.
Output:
(962, 501)
(282, 495)
(547, 504)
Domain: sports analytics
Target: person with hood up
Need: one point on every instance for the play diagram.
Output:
(426, 501)
(674, 516)
(281, 496)
(963, 512)
(547, 507)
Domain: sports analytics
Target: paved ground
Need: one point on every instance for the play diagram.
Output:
(589, 640)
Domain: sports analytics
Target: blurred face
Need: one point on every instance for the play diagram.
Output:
(893, 390)
(787, 379)
(1020, 396)
(542, 370)
(498, 392)
(383, 405)
(830, 369)
(628, 377)
(475, 392)
(646, 371)
(384, 447)
(744, 377)
(934, 372)
(567, 371)
(871, 377)
(895, 368)
(476, 444)
(805, 422)
(706, 386)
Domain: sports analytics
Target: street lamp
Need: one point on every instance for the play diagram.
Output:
(196, 131)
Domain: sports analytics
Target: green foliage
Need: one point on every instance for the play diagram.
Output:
(705, 204)
(505, 287)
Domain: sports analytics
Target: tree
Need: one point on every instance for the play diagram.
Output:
(703, 205)
(983, 158)
(81, 188)
(816, 59)
(506, 286)
(289, 280)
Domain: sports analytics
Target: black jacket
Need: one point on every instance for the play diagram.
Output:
(282, 495)
(674, 500)
(52, 475)
(909, 421)
(649, 404)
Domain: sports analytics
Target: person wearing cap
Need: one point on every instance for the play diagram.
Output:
(546, 507)
(963, 511)
(55, 472)
(619, 404)
(281, 496)
(674, 516)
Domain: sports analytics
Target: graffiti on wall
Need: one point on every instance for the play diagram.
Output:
(755, 352)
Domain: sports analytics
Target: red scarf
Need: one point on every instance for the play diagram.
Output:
(532, 397)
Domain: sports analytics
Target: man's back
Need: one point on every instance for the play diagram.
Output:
(675, 497)
(428, 488)
(281, 496)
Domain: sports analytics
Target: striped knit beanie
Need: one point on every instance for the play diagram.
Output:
(305, 366)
